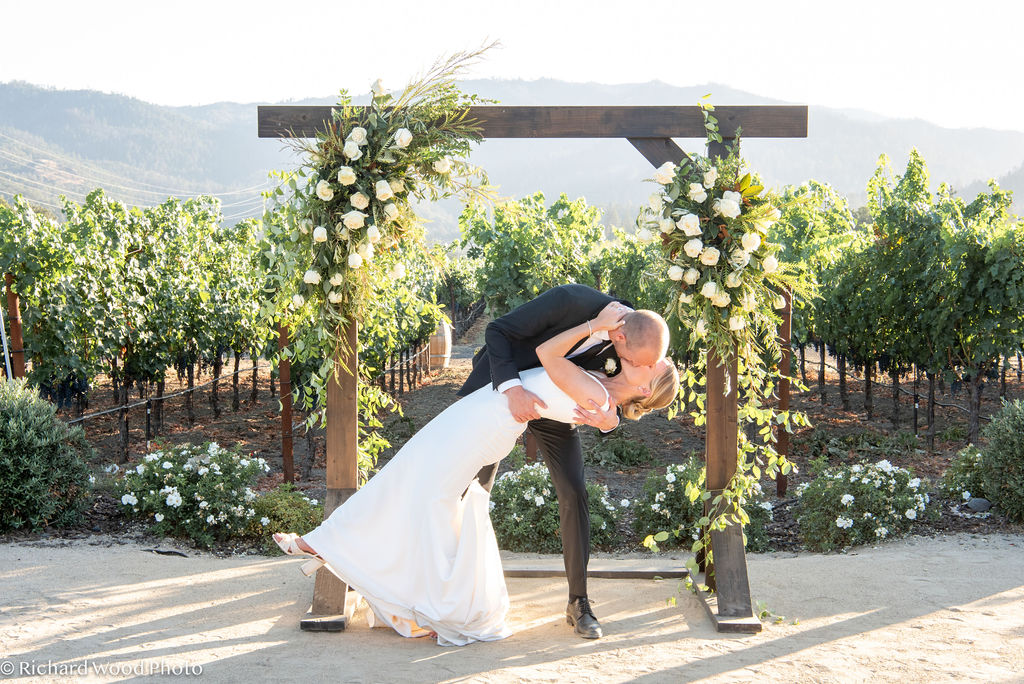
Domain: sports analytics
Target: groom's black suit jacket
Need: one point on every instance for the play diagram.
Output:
(511, 341)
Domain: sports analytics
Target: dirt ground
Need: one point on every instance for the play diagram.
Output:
(946, 609)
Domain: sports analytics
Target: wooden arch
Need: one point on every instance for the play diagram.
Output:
(650, 130)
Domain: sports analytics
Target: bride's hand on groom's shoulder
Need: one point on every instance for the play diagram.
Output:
(610, 316)
(595, 417)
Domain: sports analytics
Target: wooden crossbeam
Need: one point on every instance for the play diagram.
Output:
(649, 121)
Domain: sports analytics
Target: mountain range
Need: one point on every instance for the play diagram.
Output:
(55, 142)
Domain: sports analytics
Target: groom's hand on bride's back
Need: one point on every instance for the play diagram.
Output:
(523, 404)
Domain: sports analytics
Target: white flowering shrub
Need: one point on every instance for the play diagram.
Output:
(859, 503)
(200, 492)
(671, 502)
(524, 512)
(962, 480)
(283, 509)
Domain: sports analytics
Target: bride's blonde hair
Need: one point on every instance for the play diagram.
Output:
(664, 388)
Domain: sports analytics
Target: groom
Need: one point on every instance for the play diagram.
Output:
(510, 346)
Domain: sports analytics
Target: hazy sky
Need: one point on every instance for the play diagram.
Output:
(952, 63)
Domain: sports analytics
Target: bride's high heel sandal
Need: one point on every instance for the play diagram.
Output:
(288, 542)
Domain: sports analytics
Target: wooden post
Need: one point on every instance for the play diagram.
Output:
(17, 342)
(332, 603)
(284, 370)
(725, 572)
(785, 336)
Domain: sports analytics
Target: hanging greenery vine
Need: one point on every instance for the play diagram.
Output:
(712, 216)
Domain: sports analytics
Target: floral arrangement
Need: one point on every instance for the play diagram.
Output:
(672, 500)
(860, 503)
(341, 222)
(202, 492)
(713, 217)
(524, 511)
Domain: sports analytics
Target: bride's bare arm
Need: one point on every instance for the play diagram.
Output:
(569, 377)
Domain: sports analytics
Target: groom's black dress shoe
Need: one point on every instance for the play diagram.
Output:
(579, 615)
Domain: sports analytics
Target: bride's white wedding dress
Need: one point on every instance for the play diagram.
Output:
(423, 555)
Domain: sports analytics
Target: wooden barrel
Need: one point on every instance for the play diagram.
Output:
(441, 346)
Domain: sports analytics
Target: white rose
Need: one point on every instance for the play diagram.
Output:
(346, 176)
(721, 300)
(402, 138)
(337, 279)
(689, 224)
(353, 219)
(443, 165)
(748, 301)
(298, 300)
(665, 173)
(685, 297)
(780, 302)
(373, 233)
(732, 196)
(654, 202)
(710, 177)
(398, 271)
(351, 150)
(709, 257)
(324, 192)
(311, 277)
(354, 260)
(701, 329)
(739, 258)
(334, 296)
(709, 290)
(397, 186)
(365, 250)
(320, 234)
(675, 272)
(693, 248)
(357, 135)
(750, 241)
(305, 225)
(774, 215)
(666, 225)
(644, 235)
(383, 190)
(770, 264)
(734, 279)
(378, 88)
(727, 208)
(691, 276)
(697, 193)
(390, 211)
(359, 200)
(736, 323)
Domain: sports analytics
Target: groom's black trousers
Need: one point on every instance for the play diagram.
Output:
(559, 445)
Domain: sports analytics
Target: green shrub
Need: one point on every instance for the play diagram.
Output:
(283, 509)
(524, 512)
(44, 479)
(859, 503)
(199, 492)
(1002, 462)
(962, 480)
(618, 450)
(666, 505)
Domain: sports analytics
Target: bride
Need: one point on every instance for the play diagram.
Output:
(418, 544)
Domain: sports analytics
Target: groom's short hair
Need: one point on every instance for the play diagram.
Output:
(644, 328)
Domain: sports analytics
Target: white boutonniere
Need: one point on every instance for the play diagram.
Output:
(610, 366)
